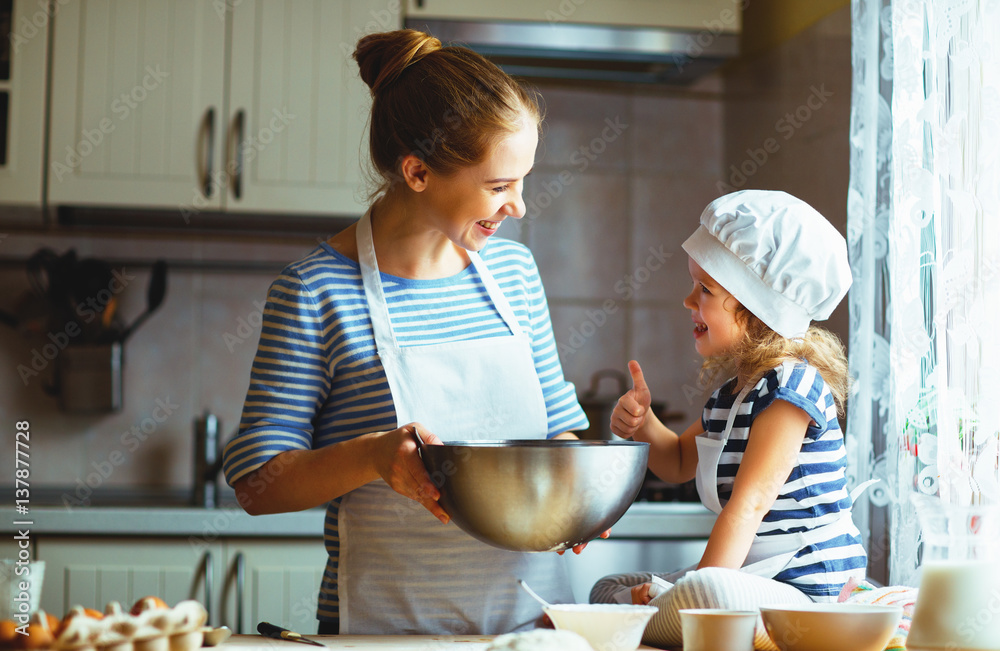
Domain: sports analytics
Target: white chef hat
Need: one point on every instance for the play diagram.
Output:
(776, 255)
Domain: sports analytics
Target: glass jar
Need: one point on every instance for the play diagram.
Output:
(958, 605)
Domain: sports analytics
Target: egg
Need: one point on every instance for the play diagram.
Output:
(148, 603)
(8, 634)
(39, 637)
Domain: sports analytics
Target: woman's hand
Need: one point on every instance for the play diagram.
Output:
(629, 415)
(400, 466)
(579, 548)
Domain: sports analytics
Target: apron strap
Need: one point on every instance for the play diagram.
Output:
(733, 412)
(378, 309)
(385, 338)
(861, 488)
(709, 453)
(495, 293)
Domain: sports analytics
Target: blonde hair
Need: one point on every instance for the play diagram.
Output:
(447, 105)
(762, 349)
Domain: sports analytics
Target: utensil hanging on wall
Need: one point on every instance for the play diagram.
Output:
(154, 296)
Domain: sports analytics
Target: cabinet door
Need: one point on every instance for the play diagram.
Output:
(137, 103)
(273, 580)
(298, 109)
(94, 571)
(24, 42)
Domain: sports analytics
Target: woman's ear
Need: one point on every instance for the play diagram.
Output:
(414, 172)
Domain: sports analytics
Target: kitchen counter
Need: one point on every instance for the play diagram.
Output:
(643, 520)
(384, 642)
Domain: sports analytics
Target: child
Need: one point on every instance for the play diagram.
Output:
(768, 453)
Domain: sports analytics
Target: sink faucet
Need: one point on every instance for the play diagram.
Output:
(207, 460)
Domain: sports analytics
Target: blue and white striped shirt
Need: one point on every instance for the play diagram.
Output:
(316, 379)
(815, 493)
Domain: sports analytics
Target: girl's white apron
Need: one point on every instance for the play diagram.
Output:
(401, 570)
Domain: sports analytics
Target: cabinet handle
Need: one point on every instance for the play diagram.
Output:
(236, 134)
(206, 145)
(209, 586)
(240, 586)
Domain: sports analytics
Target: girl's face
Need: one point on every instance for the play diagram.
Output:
(713, 310)
(469, 205)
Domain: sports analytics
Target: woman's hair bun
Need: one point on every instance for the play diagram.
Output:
(384, 56)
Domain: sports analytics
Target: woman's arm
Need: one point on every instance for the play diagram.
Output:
(301, 479)
(772, 449)
(672, 458)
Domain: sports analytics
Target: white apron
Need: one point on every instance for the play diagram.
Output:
(770, 554)
(401, 570)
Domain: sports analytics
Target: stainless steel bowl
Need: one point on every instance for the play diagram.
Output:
(536, 495)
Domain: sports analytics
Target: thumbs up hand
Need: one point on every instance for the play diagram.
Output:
(629, 415)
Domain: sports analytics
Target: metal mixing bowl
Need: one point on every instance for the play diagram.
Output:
(536, 495)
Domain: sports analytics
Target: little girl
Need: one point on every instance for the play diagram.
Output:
(768, 453)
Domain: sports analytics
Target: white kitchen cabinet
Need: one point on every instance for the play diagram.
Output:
(240, 580)
(273, 580)
(91, 572)
(203, 105)
(22, 101)
(138, 103)
(298, 105)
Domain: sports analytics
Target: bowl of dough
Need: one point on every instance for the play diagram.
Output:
(536, 495)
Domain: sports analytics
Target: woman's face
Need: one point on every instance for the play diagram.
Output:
(469, 205)
(713, 310)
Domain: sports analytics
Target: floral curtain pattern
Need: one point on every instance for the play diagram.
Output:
(924, 237)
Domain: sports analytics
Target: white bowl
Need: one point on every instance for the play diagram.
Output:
(606, 627)
(831, 627)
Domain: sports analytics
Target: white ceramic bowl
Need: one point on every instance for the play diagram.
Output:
(606, 627)
(831, 627)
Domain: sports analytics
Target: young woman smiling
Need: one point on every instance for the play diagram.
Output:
(417, 316)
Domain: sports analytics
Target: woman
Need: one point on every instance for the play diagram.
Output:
(413, 318)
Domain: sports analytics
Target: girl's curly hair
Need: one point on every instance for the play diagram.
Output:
(763, 349)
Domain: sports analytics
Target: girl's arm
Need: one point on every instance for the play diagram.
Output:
(672, 458)
(772, 449)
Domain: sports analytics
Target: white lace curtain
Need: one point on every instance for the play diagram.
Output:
(924, 236)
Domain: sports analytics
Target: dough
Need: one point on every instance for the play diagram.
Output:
(541, 639)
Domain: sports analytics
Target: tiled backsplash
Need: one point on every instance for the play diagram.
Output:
(621, 178)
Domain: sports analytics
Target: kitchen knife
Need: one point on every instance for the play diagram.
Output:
(278, 633)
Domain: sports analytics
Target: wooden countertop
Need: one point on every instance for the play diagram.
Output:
(370, 642)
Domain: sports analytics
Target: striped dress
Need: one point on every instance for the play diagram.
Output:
(815, 493)
(316, 379)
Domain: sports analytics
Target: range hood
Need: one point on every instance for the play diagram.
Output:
(587, 52)
(633, 41)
